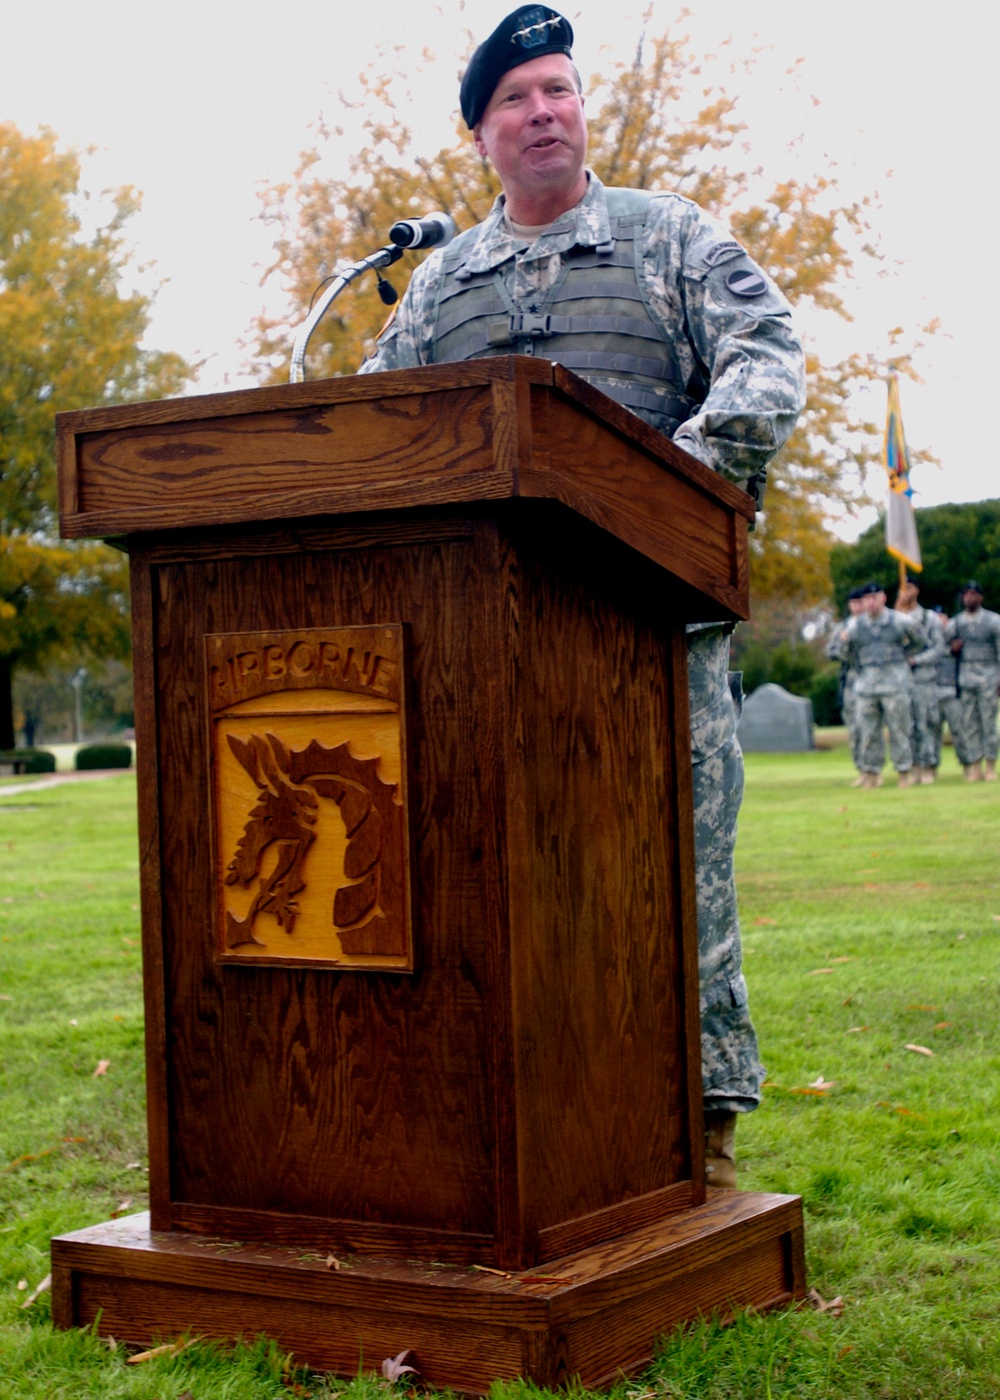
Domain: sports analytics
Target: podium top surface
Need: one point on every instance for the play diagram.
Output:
(478, 432)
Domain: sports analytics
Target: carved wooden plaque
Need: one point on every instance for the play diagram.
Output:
(310, 827)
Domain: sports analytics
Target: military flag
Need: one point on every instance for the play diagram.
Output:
(900, 522)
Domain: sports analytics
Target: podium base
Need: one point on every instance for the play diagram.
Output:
(590, 1315)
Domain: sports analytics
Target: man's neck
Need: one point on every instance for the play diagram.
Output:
(538, 209)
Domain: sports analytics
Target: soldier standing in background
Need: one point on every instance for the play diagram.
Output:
(653, 302)
(974, 638)
(949, 701)
(880, 643)
(926, 735)
(836, 650)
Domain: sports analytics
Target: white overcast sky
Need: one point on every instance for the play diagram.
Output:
(199, 105)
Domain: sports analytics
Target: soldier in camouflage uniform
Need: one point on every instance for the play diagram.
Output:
(949, 700)
(974, 637)
(836, 650)
(880, 643)
(926, 734)
(653, 302)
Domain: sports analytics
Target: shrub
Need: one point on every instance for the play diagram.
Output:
(104, 756)
(30, 760)
(825, 695)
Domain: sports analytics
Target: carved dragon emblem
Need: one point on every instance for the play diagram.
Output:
(290, 786)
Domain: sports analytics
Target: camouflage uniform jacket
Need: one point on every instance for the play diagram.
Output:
(925, 663)
(880, 647)
(979, 660)
(737, 345)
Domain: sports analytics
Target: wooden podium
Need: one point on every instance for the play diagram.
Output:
(416, 855)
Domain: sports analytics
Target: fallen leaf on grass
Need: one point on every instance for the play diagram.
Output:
(920, 1006)
(22, 1284)
(764, 920)
(852, 1029)
(819, 971)
(168, 1349)
(843, 960)
(37, 1292)
(898, 1108)
(823, 1084)
(834, 1307)
(941, 1026)
(995, 918)
(121, 1208)
(394, 1367)
(34, 1156)
(920, 1050)
(102, 1068)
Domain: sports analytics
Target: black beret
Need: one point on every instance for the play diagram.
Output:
(972, 587)
(526, 34)
(870, 588)
(856, 593)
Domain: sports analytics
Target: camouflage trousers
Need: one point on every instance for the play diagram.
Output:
(926, 736)
(849, 714)
(895, 712)
(730, 1063)
(950, 708)
(979, 723)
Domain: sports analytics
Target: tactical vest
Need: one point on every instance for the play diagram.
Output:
(976, 651)
(595, 319)
(886, 647)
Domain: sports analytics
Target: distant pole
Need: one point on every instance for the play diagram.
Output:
(77, 683)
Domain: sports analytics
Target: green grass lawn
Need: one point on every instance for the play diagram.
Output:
(871, 926)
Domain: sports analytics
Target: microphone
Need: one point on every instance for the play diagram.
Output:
(432, 231)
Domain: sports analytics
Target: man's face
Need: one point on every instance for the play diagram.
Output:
(533, 130)
(971, 600)
(855, 606)
(875, 602)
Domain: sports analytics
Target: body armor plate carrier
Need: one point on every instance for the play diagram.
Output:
(595, 320)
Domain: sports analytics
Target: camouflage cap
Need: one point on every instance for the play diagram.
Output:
(526, 34)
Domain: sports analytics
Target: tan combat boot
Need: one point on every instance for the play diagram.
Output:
(991, 770)
(720, 1153)
(928, 775)
(974, 772)
(907, 779)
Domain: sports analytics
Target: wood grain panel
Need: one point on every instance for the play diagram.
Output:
(304, 1092)
(688, 522)
(599, 973)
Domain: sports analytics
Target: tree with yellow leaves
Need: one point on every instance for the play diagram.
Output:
(71, 339)
(645, 136)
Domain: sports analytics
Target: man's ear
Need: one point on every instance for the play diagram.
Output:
(477, 138)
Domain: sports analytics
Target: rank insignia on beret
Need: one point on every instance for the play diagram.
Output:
(745, 282)
(535, 27)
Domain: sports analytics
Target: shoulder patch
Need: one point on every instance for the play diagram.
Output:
(746, 282)
(722, 252)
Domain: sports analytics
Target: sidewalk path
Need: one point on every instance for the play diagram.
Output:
(14, 789)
